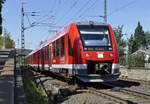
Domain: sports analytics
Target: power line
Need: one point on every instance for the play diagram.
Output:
(88, 8)
(69, 10)
(123, 7)
(105, 10)
(79, 10)
(43, 17)
(47, 16)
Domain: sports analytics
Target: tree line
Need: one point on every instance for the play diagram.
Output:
(1, 5)
(127, 47)
(9, 43)
(6, 40)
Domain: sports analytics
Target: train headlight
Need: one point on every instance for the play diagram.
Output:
(87, 54)
(111, 54)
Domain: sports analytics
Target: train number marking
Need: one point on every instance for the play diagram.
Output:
(100, 55)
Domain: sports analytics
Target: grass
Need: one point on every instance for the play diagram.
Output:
(34, 94)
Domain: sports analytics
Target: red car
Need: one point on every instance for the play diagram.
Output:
(85, 50)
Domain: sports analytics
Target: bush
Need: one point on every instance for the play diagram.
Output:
(122, 60)
(148, 60)
(34, 94)
(136, 61)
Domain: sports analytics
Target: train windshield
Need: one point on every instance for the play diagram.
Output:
(95, 36)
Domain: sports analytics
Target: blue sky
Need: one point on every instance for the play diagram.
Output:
(59, 13)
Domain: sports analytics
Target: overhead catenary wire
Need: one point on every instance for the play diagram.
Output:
(68, 11)
(122, 7)
(49, 15)
(79, 10)
(88, 8)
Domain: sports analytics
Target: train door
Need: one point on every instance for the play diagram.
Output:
(62, 50)
(58, 51)
(50, 57)
(70, 57)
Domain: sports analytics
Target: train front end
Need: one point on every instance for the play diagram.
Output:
(98, 53)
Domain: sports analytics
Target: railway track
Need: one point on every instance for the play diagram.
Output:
(134, 97)
(122, 96)
(109, 96)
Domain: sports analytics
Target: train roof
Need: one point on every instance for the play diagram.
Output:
(91, 23)
(59, 34)
(64, 31)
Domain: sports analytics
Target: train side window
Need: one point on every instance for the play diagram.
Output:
(41, 54)
(34, 57)
(31, 58)
(44, 53)
(47, 52)
(57, 48)
(54, 50)
(62, 46)
(38, 55)
(70, 47)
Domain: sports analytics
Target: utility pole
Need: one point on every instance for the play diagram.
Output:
(105, 11)
(22, 33)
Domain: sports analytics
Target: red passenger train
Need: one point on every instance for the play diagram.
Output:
(85, 50)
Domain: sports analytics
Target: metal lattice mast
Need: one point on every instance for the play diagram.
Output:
(105, 11)
(22, 31)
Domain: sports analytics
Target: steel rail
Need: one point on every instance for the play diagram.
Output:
(109, 96)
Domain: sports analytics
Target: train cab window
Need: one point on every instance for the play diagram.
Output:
(70, 47)
(95, 37)
(54, 54)
(57, 48)
(62, 46)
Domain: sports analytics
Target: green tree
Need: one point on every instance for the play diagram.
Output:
(121, 43)
(9, 43)
(147, 37)
(1, 3)
(131, 45)
(139, 37)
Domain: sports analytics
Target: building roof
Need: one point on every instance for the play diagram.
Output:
(142, 50)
